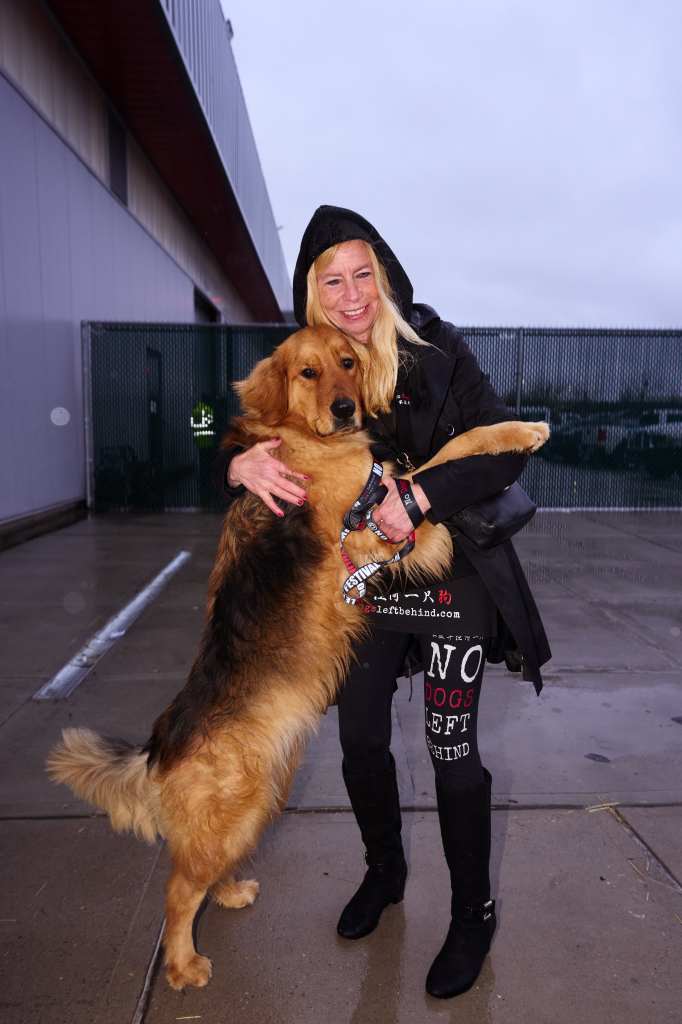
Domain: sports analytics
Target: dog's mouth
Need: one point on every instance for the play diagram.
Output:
(337, 427)
(344, 427)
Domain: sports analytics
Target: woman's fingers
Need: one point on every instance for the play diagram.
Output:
(280, 488)
(391, 517)
(271, 504)
(395, 532)
(261, 473)
(283, 473)
(290, 492)
(268, 497)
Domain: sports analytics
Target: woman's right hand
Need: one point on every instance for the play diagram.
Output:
(263, 475)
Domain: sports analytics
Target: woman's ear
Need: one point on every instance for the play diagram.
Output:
(264, 392)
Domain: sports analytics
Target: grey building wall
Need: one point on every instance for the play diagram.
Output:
(69, 251)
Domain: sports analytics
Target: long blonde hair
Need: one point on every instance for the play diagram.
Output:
(380, 358)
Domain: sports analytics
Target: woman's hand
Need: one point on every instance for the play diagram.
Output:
(391, 517)
(266, 476)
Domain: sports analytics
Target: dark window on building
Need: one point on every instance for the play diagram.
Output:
(118, 159)
(204, 310)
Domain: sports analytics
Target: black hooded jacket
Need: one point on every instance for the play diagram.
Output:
(448, 395)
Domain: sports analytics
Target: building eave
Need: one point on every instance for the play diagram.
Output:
(130, 50)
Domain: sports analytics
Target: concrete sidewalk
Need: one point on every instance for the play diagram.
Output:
(589, 900)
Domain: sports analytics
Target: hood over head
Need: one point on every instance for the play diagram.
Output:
(331, 225)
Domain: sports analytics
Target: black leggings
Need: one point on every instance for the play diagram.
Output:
(453, 672)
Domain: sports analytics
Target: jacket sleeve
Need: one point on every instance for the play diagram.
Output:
(459, 483)
(221, 465)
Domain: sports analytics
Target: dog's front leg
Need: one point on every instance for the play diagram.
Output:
(184, 966)
(492, 439)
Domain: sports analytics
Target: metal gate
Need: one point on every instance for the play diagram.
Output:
(159, 396)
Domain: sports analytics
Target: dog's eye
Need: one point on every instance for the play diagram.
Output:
(348, 364)
(308, 372)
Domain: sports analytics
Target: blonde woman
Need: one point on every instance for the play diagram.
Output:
(424, 386)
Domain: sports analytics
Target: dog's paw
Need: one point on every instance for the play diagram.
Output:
(534, 435)
(235, 895)
(195, 973)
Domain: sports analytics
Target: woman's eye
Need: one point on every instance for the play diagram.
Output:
(348, 364)
(308, 373)
(332, 281)
(364, 273)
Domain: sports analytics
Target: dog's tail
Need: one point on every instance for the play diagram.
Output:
(112, 775)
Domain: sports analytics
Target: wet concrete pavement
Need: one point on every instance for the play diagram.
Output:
(590, 906)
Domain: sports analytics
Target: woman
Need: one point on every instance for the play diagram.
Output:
(424, 386)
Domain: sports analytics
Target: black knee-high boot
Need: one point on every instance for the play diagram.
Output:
(376, 805)
(464, 816)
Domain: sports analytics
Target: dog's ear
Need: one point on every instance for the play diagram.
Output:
(264, 392)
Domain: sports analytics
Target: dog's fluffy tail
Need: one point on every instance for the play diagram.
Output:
(112, 775)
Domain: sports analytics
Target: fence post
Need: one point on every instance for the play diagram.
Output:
(86, 348)
(520, 347)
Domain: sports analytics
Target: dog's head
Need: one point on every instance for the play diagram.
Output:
(312, 377)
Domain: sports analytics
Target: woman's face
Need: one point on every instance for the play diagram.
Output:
(348, 291)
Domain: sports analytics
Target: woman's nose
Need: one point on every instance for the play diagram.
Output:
(351, 290)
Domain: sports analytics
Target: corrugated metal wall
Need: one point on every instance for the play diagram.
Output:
(204, 41)
(69, 251)
(39, 59)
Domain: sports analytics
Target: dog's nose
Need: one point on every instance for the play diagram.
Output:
(342, 408)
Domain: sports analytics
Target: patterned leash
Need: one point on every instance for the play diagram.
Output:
(359, 517)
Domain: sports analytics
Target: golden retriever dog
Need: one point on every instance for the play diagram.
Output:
(276, 642)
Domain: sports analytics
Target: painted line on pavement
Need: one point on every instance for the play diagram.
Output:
(82, 663)
(143, 999)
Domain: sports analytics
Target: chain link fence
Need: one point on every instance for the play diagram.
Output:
(159, 396)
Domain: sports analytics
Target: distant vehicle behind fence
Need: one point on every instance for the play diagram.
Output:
(650, 440)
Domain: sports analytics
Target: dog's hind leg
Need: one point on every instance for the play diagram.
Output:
(233, 894)
(184, 966)
(229, 892)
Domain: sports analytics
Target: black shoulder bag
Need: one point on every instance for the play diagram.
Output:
(495, 519)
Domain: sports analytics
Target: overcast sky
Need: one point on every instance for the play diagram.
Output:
(523, 159)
